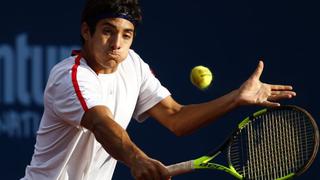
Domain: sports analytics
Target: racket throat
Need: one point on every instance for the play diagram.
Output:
(203, 163)
(231, 170)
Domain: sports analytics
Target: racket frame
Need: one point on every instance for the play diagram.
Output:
(203, 161)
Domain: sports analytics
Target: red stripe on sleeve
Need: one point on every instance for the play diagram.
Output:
(76, 84)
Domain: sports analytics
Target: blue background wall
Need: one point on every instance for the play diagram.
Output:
(227, 36)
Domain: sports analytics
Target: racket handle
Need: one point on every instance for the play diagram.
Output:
(180, 168)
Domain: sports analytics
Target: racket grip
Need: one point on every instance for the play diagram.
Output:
(180, 168)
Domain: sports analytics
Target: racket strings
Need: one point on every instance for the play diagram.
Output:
(272, 145)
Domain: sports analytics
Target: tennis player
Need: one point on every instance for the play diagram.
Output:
(91, 96)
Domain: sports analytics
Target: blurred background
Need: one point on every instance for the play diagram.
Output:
(226, 36)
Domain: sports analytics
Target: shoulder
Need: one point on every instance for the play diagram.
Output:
(134, 57)
(69, 70)
(70, 64)
(135, 60)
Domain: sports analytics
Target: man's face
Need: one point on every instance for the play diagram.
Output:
(109, 45)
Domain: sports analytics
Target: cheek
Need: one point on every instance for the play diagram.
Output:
(97, 52)
(124, 54)
(98, 48)
(126, 49)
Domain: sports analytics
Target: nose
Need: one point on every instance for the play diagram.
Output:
(115, 42)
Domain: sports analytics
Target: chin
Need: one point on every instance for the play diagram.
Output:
(119, 59)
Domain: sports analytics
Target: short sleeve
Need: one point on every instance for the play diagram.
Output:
(75, 91)
(151, 93)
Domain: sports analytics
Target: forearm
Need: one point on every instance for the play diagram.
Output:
(114, 139)
(191, 117)
(117, 143)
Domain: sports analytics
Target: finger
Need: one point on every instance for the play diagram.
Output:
(291, 93)
(270, 104)
(281, 87)
(257, 73)
(163, 171)
(279, 97)
(158, 171)
(147, 173)
(155, 173)
(143, 175)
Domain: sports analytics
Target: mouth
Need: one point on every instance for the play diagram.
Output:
(113, 57)
(113, 54)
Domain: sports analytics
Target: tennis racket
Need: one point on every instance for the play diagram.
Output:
(274, 143)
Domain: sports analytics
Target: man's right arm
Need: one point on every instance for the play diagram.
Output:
(116, 141)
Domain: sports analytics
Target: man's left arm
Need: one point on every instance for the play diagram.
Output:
(183, 120)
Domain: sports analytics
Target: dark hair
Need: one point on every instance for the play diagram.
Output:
(94, 10)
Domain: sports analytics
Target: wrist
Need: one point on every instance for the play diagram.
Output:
(135, 156)
(235, 99)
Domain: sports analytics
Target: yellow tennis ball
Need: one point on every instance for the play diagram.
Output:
(201, 77)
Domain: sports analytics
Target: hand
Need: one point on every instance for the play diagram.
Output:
(146, 168)
(253, 91)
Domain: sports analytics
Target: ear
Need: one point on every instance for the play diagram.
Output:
(85, 31)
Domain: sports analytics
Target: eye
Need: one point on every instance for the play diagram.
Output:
(107, 31)
(127, 36)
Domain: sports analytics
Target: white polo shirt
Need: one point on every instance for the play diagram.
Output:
(64, 150)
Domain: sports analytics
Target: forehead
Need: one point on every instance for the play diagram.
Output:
(117, 23)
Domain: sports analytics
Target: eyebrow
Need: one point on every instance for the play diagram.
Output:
(115, 27)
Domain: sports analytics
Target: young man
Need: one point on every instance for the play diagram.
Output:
(91, 96)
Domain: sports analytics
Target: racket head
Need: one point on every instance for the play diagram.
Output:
(274, 143)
